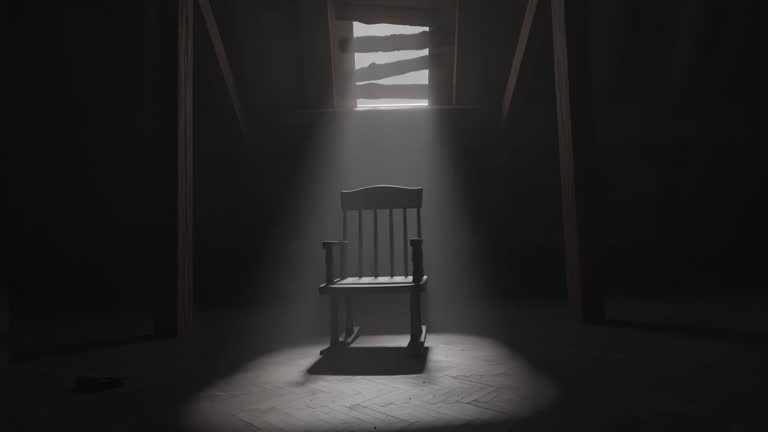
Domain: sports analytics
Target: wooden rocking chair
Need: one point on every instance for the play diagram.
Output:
(338, 285)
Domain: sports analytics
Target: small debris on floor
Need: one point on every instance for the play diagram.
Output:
(94, 384)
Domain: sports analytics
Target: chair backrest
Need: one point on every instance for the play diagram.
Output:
(381, 198)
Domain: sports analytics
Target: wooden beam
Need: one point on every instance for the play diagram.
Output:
(331, 10)
(376, 71)
(184, 245)
(455, 50)
(342, 58)
(573, 80)
(517, 61)
(375, 14)
(221, 55)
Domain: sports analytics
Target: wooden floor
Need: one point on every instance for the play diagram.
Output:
(527, 367)
(462, 381)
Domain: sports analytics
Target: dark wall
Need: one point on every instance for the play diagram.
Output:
(92, 180)
(676, 96)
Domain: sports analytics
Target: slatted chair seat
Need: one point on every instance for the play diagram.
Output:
(339, 285)
(373, 285)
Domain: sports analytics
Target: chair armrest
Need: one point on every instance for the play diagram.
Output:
(328, 246)
(417, 258)
(335, 243)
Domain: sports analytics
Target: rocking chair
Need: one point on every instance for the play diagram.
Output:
(338, 285)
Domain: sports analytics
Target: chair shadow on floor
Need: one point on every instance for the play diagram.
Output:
(371, 361)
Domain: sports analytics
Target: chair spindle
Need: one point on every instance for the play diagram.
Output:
(375, 243)
(418, 222)
(360, 243)
(391, 243)
(343, 259)
(405, 242)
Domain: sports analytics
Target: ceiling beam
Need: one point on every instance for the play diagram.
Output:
(221, 56)
(176, 322)
(375, 14)
(514, 72)
(573, 85)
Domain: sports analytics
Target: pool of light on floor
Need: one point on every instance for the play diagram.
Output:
(464, 380)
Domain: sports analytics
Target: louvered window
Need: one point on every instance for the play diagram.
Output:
(393, 53)
(391, 64)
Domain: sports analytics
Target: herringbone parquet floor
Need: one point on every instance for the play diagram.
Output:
(462, 382)
(243, 373)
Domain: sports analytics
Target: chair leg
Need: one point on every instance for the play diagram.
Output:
(416, 325)
(351, 332)
(334, 327)
(349, 329)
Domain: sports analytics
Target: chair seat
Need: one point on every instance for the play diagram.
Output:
(373, 285)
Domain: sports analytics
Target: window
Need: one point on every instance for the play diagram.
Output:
(391, 65)
(392, 53)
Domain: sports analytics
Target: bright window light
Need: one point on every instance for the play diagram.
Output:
(392, 77)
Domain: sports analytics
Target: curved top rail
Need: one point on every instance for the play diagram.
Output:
(381, 197)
